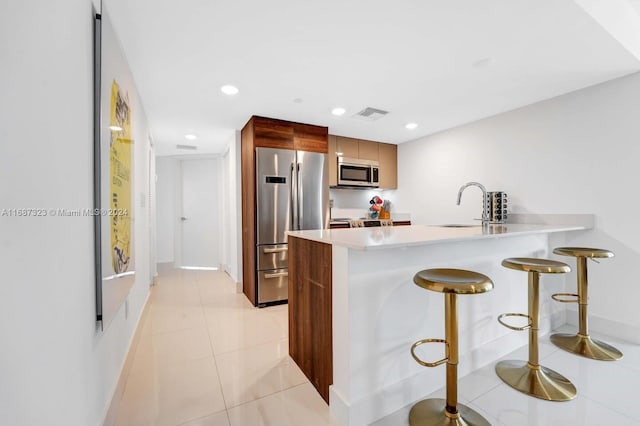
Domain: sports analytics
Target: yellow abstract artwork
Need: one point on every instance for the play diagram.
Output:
(120, 179)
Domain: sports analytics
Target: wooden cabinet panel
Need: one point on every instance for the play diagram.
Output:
(310, 335)
(310, 138)
(368, 150)
(333, 161)
(388, 165)
(271, 133)
(248, 182)
(347, 146)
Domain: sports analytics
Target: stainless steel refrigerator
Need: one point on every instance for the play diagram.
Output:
(292, 193)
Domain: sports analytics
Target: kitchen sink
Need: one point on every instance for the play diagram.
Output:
(458, 225)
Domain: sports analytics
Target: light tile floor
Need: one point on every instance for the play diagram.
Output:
(206, 357)
(606, 391)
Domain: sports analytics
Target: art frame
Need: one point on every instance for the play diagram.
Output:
(113, 164)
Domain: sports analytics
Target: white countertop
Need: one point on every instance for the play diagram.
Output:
(416, 235)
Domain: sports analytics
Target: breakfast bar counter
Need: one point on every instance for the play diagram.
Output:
(416, 235)
(354, 310)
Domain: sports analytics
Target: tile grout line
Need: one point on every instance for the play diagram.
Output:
(215, 363)
(269, 395)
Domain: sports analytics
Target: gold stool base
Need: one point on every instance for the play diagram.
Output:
(430, 412)
(542, 383)
(586, 346)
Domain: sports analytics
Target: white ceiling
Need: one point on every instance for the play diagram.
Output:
(423, 60)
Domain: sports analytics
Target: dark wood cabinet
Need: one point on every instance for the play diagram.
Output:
(267, 133)
(272, 133)
(310, 336)
(310, 138)
(248, 178)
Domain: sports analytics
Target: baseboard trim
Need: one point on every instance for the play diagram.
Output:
(608, 327)
(112, 412)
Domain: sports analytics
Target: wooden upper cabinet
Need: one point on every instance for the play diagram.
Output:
(384, 153)
(388, 165)
(270, 133)
(347, 146)
(333, 161)
(310, 138)
(368, 150)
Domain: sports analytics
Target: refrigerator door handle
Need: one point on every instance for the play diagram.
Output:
(276, 275)
(292, 199)
(274, 250)
(299, 198)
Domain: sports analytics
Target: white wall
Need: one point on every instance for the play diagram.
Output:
(578, 153)
(56, 368)
(167, 208)
(232, 211)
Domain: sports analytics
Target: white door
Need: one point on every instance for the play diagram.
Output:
(201, 206)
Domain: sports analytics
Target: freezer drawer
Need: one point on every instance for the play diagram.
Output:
(272, 285)
(272, 256)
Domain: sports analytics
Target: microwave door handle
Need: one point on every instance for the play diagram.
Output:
(299, 197)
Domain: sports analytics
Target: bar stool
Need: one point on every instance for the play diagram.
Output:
(581, 343)
(451, 282)
(530, 377)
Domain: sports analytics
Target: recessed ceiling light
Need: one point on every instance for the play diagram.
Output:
(115, 128)
(338, 111)
(229, 90)
(411, 126)
(297, 100)
(190, 136)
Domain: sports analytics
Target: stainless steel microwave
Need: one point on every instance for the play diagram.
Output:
(356, 172)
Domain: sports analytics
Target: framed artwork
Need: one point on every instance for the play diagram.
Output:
(113, 172)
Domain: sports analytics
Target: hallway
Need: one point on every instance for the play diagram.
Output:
(206, 357)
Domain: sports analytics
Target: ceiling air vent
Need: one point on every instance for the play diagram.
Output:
(371, 114)
(187, 147)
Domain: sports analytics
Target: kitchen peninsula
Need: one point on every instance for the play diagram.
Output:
(354, 311)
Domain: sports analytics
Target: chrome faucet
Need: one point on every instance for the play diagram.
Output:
(485, 213)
